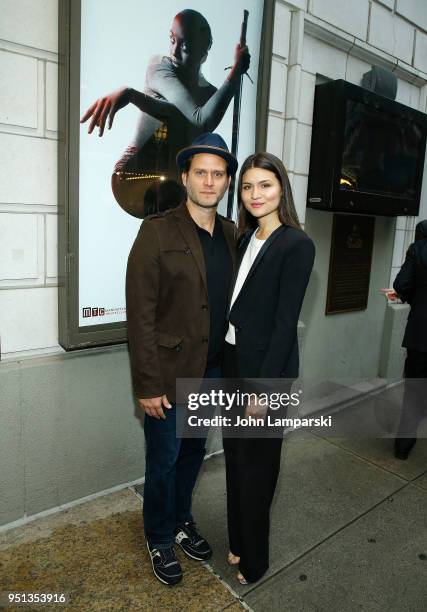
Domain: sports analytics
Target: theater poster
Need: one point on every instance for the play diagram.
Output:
(151, 77)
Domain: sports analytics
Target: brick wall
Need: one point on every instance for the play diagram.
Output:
(28, 199)
(312, 39)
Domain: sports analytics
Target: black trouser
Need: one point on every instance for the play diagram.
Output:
(414, 407)
(252, 469)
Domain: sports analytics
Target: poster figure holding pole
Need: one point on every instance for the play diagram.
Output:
(236, 116)
(177, 105)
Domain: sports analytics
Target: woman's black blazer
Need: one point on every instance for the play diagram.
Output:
(266, 311)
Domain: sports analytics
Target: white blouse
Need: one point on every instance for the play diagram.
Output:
(249, 257)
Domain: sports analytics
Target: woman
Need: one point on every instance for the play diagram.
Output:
(275, 261)
(177, 105)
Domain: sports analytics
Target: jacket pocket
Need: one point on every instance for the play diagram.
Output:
(169, 340)
(174, 249)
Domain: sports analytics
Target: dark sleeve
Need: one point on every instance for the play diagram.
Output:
(142, 291)
(159, 109)
(162, 79)
(404, 284)
(293, 284)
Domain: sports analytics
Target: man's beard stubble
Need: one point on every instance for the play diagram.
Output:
(195, 200)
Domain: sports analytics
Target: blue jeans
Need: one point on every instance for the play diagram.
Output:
(171, 468)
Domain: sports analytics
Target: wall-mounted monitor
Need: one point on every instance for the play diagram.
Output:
(367, 152)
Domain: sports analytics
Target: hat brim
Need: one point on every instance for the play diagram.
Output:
(184, 154)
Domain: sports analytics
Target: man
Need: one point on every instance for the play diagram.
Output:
(411, 286)
(178, 280)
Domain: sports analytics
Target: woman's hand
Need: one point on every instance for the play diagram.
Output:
(106, 107)
(254, 409)
(242, 59)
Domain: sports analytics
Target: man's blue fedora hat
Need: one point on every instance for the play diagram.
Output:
(208, 143)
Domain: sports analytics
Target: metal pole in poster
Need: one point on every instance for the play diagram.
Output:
(236, 117)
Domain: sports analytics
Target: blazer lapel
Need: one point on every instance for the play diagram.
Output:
(240, 253)
(242, 247)
(267, 244)
(188, 229)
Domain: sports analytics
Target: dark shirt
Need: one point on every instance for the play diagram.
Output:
(218, 276)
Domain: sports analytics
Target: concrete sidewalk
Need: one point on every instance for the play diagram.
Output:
(349, 532)
(349, 528)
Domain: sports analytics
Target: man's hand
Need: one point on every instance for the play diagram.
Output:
(153, 406)
(106, 107)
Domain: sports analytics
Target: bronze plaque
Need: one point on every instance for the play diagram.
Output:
(350, 263)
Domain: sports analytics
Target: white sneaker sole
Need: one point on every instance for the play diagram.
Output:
(156, 575)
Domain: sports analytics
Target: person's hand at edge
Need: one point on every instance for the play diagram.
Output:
(390, 294)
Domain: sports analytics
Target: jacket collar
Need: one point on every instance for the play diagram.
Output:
(242, 250)
(181, 212)
(188, 229)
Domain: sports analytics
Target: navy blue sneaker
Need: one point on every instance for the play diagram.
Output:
(191, 542)
(165, 565)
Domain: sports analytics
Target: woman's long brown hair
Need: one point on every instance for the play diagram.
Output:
(287, 212)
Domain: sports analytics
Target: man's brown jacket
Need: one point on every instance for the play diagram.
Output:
(167, 302)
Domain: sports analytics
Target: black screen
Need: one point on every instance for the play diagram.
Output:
(381, 151)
